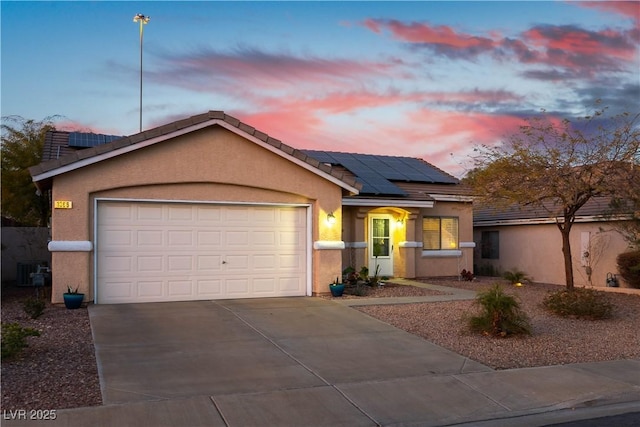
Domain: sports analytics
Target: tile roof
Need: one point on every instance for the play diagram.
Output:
(60, 155)
(595, 207)
(394, 177)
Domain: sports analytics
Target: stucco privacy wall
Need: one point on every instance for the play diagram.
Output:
(212, 164)
(537, 250)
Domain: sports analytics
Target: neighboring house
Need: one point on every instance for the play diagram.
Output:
(528, 240)
(211, 208)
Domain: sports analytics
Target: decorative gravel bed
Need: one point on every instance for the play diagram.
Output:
(58, 369)
(554, 341)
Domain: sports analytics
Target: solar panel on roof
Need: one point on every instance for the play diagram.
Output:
(376, 172)
(80, 139)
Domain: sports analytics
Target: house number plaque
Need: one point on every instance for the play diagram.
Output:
(62, 204)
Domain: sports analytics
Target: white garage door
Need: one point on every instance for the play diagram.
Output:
(177, 252)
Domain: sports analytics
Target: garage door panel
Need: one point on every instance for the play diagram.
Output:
(210, 288)
(180, 288)
(209, 238)
(170, 252)
(180, 238)
(150, 238)
(149, 213)
(153, 264)
(152, 288)
(118, 264)
(209, 263)
(179, 263)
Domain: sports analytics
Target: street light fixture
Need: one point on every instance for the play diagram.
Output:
(143, 20)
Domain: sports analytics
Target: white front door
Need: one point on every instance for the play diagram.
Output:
(380, 245)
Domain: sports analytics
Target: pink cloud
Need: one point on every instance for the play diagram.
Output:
(420, 33)
(575, 42)
(580, 51)
(254, 69)
(630, 9)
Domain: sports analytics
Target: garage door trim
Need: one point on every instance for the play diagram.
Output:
(308, 224)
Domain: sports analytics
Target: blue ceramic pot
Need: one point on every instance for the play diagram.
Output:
(337, 290)
(73, 301)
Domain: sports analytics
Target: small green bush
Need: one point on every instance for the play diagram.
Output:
(629, 267)
(34, 307)
(516, 276)
(500, 314)
(14, 339)
(580, 303)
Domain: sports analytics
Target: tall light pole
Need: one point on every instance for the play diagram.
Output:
(143, 20)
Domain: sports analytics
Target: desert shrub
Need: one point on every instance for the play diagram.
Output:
(629, 268)
(500, 314)
(581, 303)
(14, 339)
(515, 276)
(34, 307)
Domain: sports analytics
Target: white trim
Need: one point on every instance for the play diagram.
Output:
(442, 254)
(467, 244)
(70, 246)
(151, 141)
(451, 198)
(356, 245)
(388, 202)
(536, 221)
(309, 257)
(309, 239)
(328, 244)
(203, 202)
(410, 244)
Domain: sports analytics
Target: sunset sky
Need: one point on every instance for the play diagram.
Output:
(419, 79)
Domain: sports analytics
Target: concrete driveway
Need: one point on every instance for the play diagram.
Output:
(289, 361)
(313, 362)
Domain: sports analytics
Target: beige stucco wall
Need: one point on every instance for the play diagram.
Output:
(410, 262)
(212, 164)
(537, 250)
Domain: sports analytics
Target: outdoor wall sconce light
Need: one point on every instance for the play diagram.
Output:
(331, 219)
(399, 222)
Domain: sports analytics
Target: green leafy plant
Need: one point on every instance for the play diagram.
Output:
(71, 290)
(500, 314)
(580, 303)
(515, 276)
(14, 339)
(34, 307)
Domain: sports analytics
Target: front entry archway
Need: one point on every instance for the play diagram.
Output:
(380, 244)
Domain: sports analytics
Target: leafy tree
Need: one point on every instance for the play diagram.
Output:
(559, 165)
(21, 148)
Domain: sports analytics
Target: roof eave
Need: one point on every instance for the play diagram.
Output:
(364, 201)
(40, 176)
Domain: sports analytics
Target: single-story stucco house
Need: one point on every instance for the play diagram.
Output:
(528, 239)
(210, 208)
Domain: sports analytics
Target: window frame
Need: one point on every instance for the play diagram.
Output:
(440, 247)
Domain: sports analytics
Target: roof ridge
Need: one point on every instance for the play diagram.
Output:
(185, 123)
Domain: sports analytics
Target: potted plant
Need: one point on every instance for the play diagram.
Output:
(336, 288)
(72, 299)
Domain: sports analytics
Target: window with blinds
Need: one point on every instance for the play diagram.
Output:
(439, 233)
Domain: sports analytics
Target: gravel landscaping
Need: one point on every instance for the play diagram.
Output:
(554, 340)
(58, 369)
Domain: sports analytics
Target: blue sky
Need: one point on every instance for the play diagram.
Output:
(420, 79)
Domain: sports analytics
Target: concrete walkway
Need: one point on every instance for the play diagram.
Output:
(315, 362)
